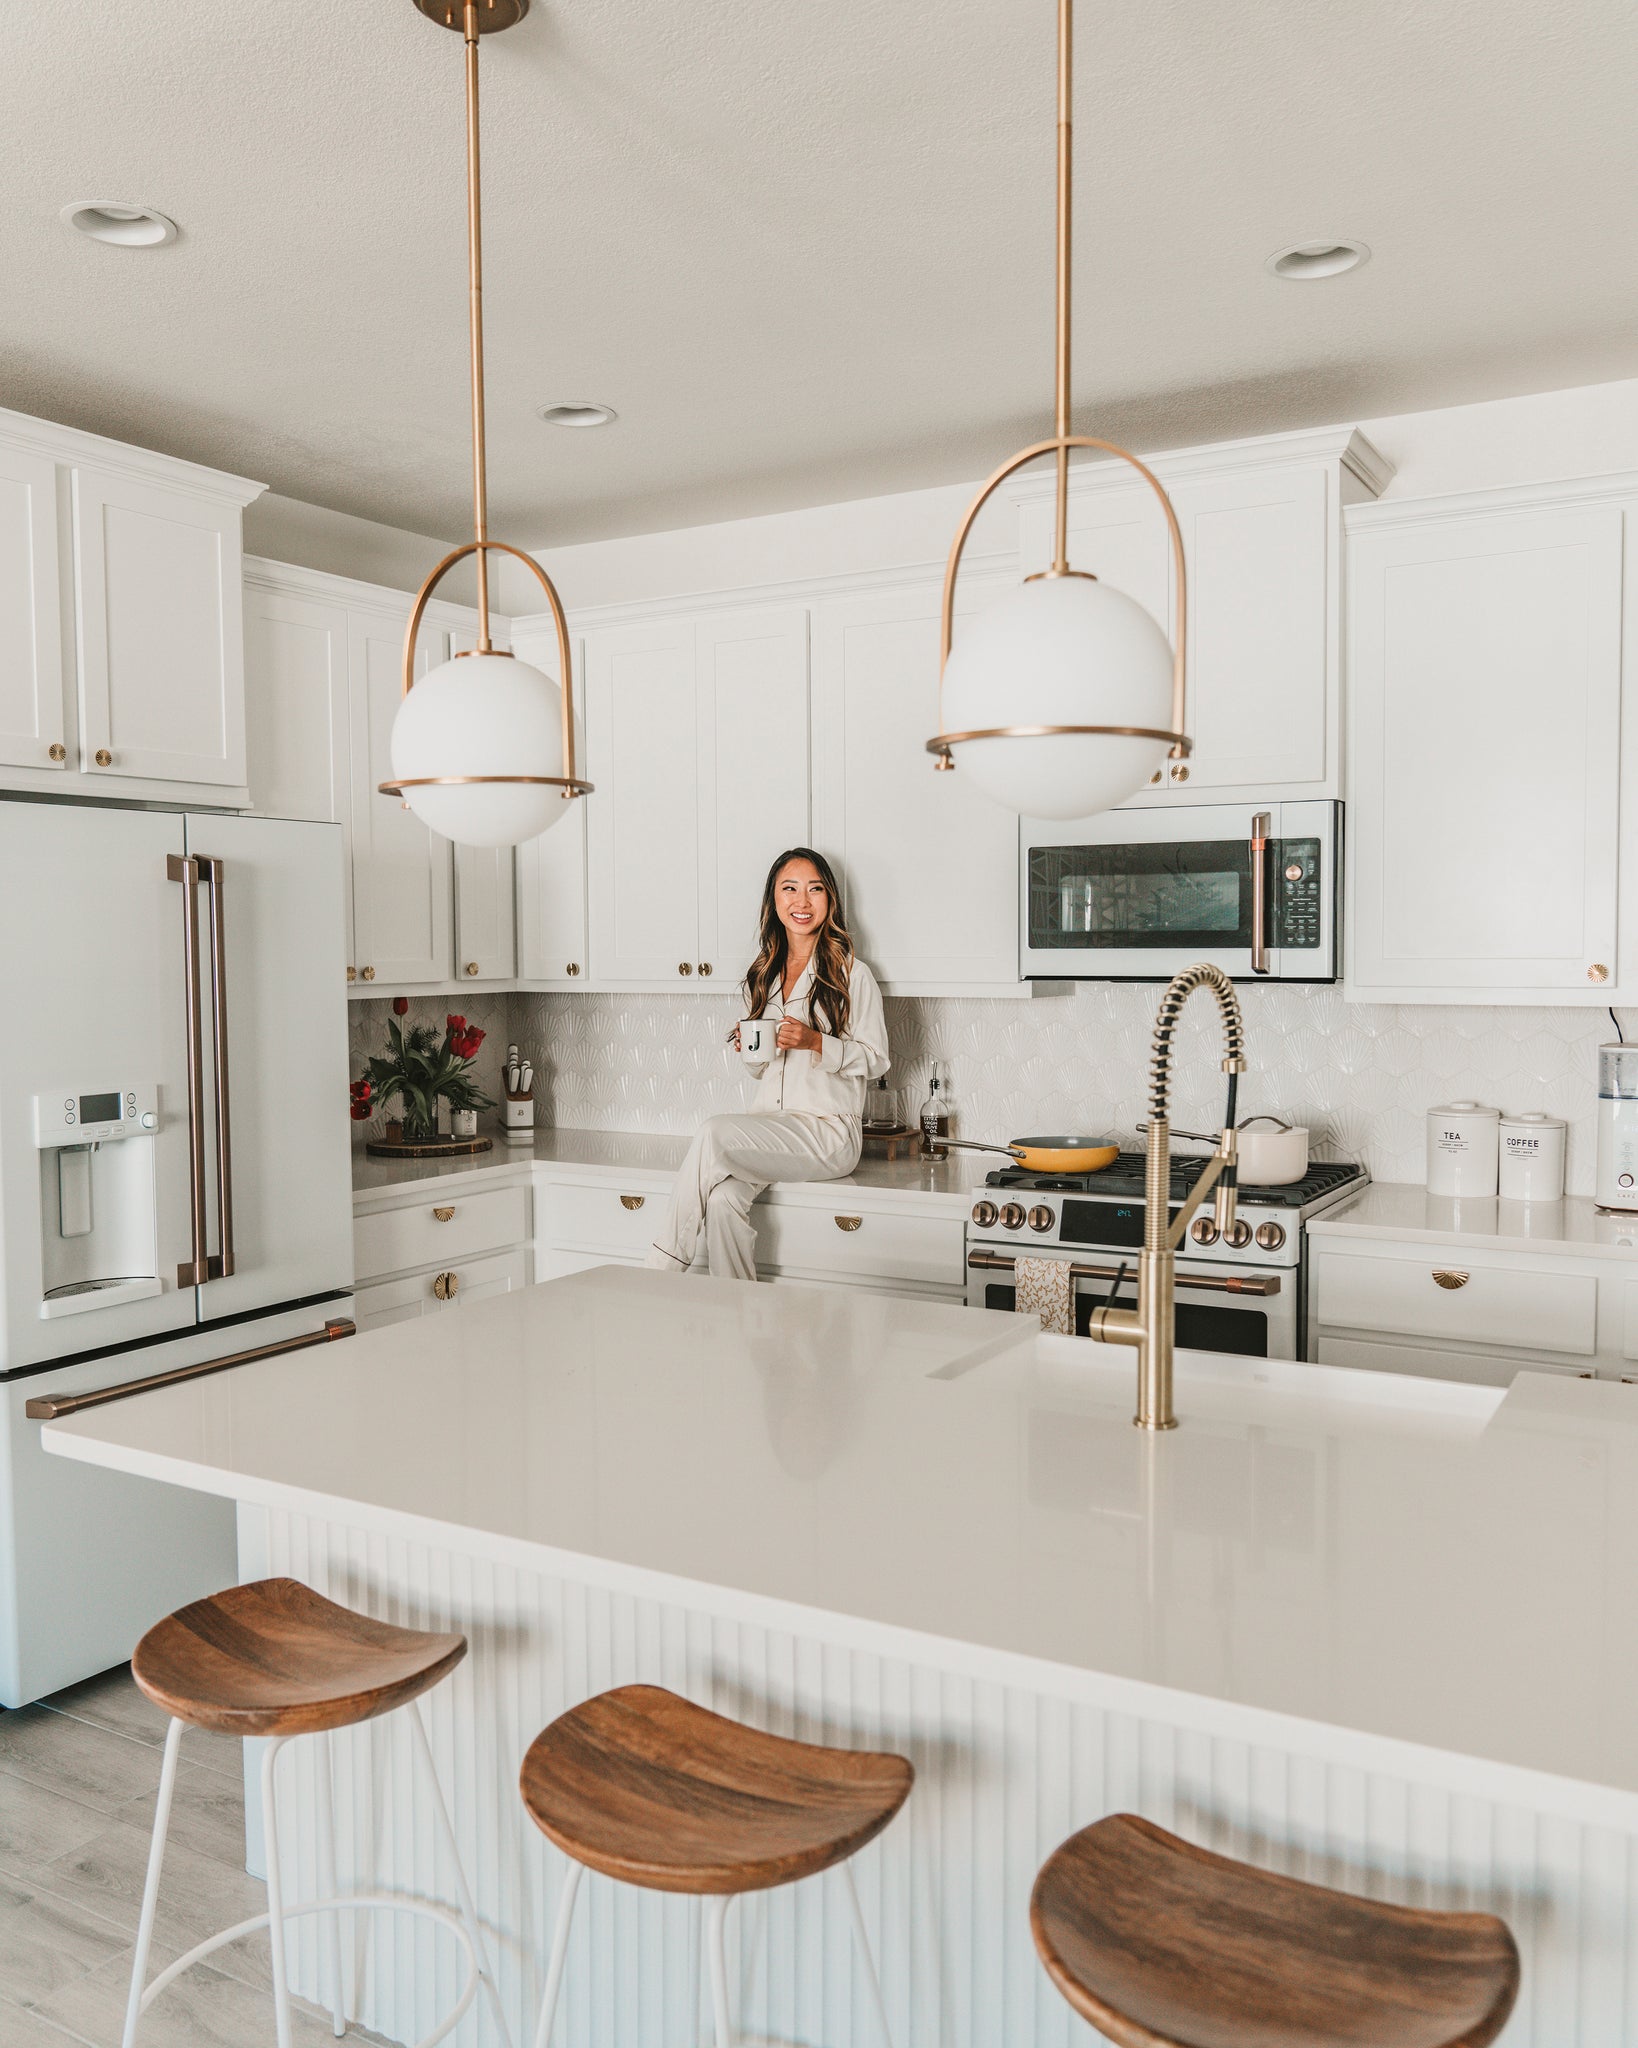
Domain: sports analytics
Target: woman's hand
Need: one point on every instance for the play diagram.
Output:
(794, 1036)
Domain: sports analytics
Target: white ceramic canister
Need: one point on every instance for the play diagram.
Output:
(1532, 1158)
(1463, 1149)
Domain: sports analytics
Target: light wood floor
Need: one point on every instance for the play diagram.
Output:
(78, 1777)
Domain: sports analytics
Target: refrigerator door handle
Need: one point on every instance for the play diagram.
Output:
(53, 1407)
(182, 868)
(212, 870)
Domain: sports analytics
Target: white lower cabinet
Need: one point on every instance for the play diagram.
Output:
(421, 1249)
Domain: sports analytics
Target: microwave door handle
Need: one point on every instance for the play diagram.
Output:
(212, 869)
(185, 870)
(1260, 827)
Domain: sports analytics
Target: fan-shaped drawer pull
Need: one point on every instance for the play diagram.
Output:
(849, 1222)
(442, 1215)
(1443, 1276)
(632, 1201)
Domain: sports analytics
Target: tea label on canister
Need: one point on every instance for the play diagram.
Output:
(1463, 1149)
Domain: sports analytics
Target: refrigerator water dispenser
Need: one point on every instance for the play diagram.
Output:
(98, 1241)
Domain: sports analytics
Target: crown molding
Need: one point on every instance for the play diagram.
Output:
(1568, 490)
(1346, 446)
(295, 579)
(71, 446)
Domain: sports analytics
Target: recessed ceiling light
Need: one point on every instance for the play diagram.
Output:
(578, 412)
(126, 227)
(1306, 261)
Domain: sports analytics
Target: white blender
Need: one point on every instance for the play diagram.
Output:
(1616, 1184)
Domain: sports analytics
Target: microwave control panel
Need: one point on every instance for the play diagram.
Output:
(88, 1116)
(1297, 901)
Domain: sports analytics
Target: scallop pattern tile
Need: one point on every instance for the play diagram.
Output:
(1361, 1076)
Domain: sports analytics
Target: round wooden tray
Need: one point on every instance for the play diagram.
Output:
(892, 1144)
(426, 1148)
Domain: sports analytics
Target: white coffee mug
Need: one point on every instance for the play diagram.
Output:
(757, 1036)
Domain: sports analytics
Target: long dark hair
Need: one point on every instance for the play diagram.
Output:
(832, 956)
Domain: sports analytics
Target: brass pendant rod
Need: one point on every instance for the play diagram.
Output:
(1066, 173)
(474, 248)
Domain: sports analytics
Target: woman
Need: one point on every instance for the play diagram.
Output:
(806, 1120)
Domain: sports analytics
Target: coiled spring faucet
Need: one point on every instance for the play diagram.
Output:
(1149, 1327)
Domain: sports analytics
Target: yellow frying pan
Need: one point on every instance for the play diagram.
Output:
(1050, 1155)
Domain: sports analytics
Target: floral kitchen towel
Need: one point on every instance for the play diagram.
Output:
(1047, 1290)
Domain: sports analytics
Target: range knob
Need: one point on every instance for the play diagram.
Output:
(1203, 1230)
(1271, 1236)
(1041, 1217)
(1012, 1216)
(984, 1215)
(1238, 1234)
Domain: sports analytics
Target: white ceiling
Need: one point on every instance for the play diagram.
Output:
(803, 249)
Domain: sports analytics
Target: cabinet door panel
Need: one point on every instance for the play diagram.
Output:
(401, 871)
(643, 819)
(755, 777)
(930, 864)
(486, 922)
(31, 655)
(1118, 533)
(1485, 675)
(161, 632)
(1255, 550)
(552, 944)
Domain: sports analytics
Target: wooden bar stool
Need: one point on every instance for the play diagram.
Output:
(276, 1659)
(1163, 1945)
(649, 1788)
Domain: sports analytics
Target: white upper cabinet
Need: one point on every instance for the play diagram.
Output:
(34, 731)
(698, 743)
(1484, 681)
(928, 863)
(1261, 527)
(552, 949)
(121, 629)
(402, 877)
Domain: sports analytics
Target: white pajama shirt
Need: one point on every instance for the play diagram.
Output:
(805, 1123)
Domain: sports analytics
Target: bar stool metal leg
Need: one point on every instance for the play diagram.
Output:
(560, 1951)
(329, 1888)
(275, 1894)
(716, 1924)
(150, 1890)
(862, 1936)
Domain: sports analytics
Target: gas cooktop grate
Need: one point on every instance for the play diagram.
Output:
(1124, 1181)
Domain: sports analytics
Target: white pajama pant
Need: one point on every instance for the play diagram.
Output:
(729, 1164)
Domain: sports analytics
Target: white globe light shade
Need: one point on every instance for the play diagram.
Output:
(482, 714)
(1063, 650)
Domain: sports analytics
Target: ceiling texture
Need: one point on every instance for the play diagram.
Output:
(805, 251)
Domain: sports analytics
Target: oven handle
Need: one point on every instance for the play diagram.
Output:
(1261, 825)
(1212, 1283)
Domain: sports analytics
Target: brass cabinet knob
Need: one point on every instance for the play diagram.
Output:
(57, 752)
(849, 1222)
(1450, 1281)
(369, 974)
(447, 1286)
(1598, 971)
(685, 966)
(632, 1201)
(442, 1215)
(572, 968)
(1180, 771)
(103, 758)
(472, 967)
(1156, 777)
(705, 967)
(352, 974)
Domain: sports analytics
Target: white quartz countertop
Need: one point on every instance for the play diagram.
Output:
(1404, 1210)
(1445, 1565)
(650, 1161)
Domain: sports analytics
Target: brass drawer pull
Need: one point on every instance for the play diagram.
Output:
(849, 1222)
(103, 758)
(705, 967)
(442, 1215)
(1443, 1277)
(57, 752)
(573, 967)
(369, 974)
(632, 1201)
(472, 967)
(685, 966)
(447, 1286)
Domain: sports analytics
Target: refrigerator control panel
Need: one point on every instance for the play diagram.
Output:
(86, 1116)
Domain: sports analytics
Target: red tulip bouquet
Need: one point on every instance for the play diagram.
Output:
(422, 1069)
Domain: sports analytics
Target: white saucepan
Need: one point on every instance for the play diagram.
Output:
(1274, 1157)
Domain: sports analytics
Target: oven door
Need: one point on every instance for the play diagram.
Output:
(1137, 895)
(1218, 1305)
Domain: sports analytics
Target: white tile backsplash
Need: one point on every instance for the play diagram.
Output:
(1361, 1076)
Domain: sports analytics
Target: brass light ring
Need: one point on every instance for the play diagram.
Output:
(1060, 444)
(1180, 742)
(571, 784)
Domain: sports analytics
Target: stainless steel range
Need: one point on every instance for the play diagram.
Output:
(1245, 1294)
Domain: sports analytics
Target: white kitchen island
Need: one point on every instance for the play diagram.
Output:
(1374, 1631)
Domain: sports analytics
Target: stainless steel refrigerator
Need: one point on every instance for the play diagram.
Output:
(174, 1176)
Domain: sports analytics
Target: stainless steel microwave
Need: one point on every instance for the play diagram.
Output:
(1136, 895)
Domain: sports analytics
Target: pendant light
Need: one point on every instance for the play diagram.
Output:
(483, 745)
(1064, 697)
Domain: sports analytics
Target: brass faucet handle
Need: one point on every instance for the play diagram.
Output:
(1225, 1201)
